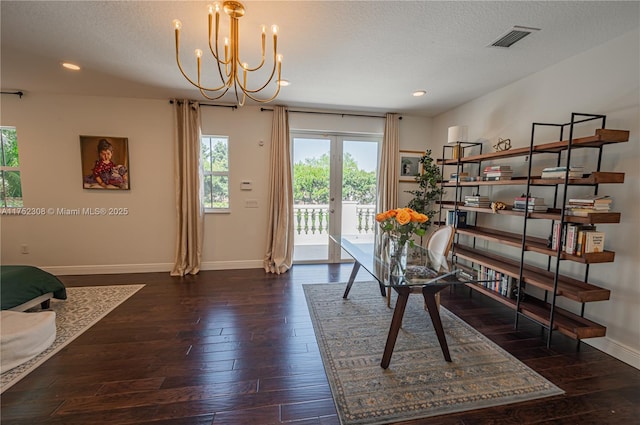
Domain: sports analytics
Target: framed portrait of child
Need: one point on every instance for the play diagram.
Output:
(105, 162)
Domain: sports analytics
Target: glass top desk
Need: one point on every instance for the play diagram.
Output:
(427, 272)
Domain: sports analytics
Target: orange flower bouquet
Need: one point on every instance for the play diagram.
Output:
(400, 225)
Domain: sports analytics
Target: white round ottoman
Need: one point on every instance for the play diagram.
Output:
(24, 335)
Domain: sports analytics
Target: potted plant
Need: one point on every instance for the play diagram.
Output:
(429, 190)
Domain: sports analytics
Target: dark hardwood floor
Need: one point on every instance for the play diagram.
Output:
(237, 347)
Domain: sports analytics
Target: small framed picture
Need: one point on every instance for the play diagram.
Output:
(410, 165)
(105, 162)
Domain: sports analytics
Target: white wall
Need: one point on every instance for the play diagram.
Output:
(48, 136)
(603, 80)
(49, 148)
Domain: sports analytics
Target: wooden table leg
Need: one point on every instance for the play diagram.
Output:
(396, 323)
(429, 292)
(354, 272)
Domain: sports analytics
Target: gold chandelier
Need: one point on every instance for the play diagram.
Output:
(232, 71)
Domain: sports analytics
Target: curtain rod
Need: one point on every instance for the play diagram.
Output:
(331, 113)
(211, 104)
(343, 114)
(17, 93)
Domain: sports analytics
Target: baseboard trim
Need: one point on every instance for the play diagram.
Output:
(147, 268)
(109, 269)
(615, 349)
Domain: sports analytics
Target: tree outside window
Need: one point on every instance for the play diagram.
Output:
(10, 183)
(214, 156)
(311, 177)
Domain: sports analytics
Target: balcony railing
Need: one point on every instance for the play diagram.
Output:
(314, 219)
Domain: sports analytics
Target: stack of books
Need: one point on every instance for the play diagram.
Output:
(463, 177)
(559, 172)
(535, 204)
(580, 239)
(497, 172)
(583, 206)
(477, 201)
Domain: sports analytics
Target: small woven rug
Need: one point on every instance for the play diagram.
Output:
(83, 308)
(419, 383)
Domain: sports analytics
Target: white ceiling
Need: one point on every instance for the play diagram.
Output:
(340, 55)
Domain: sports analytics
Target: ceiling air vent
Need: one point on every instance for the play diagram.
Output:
(516, 34)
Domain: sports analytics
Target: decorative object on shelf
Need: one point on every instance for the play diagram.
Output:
(410, 166)
(457, 134)
(502, 145)
(496, 206)
(400, 225)
(231, 70)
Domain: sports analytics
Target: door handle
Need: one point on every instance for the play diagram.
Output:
(332, 210)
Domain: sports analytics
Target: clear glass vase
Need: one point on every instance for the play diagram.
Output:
(397, 257)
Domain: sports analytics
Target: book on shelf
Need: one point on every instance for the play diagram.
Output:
(496, 178)
(477, 201)
(560, 172)
(532, 200)
(490, 168)
(575, 237)
(496, 281)
(497, 173)
(584, 212)
(455, 179)
(520, 206)
(476, 198)
(555, 235)
(593, 241)
(571, 238)
(591, 200)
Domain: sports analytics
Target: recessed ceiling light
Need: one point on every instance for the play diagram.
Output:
(71, 66)
(284, 83)
(419, 93)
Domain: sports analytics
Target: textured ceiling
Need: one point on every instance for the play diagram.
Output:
(345, 55)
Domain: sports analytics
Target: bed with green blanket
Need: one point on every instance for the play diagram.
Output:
(23, 287)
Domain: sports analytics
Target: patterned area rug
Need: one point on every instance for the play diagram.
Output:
(419, 383)
(83, 308)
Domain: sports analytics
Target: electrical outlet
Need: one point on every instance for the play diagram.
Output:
(24, 248)
(251, 203)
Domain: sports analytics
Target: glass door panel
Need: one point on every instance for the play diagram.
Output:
(359, 188)
(311, 184)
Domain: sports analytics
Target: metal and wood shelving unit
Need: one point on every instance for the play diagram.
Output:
(543, 310)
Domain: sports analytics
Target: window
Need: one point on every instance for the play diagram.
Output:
(214, 155)
(10, 184)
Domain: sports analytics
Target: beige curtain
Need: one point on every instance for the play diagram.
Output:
(388, 169)
(187, 176)
(279, 252)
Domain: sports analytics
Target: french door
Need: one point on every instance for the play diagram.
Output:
(335, 186)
